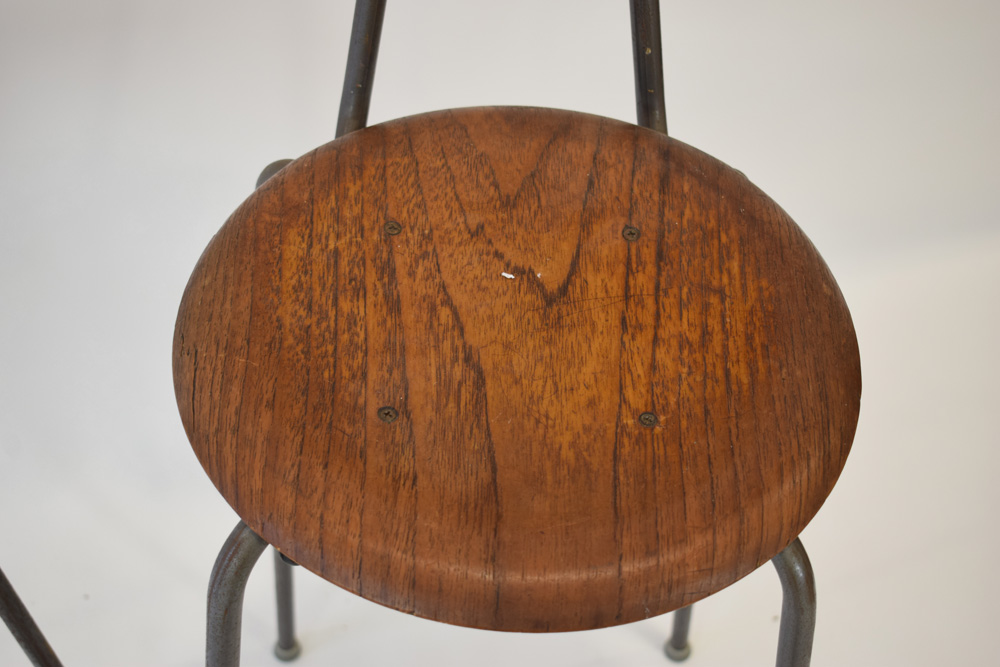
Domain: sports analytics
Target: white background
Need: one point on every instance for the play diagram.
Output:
(130, 130)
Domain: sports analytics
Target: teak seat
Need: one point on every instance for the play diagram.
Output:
(516, 369)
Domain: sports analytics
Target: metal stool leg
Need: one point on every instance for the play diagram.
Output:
(23, 627)
(366, 32)
(288, 647)
(647, 49)
(677, 647)
(225, 595)
(798, 606)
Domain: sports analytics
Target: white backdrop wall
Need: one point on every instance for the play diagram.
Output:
(129, 130)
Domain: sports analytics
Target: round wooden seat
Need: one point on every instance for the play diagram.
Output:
(518, 369)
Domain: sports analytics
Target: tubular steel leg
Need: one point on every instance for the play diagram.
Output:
(361, 55)
(677, 647)
(647, 50)
(798, 606)
(288, 647)
(23, 627)
(225, 595)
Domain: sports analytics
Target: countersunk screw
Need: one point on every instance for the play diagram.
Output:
(388, 414)
(392, 228)
(630, 233)
(647, 419)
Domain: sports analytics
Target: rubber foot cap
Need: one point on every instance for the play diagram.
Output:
(287, 654)
(677, 654)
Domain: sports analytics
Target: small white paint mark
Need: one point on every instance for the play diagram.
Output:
(539, 275)
(508, 276)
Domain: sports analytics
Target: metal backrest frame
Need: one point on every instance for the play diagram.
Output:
(366, 33)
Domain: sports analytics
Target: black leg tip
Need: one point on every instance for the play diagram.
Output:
(677, 654)
(287, 654)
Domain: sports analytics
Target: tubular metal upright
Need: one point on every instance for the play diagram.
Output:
(15, 615)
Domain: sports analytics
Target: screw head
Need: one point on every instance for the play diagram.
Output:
(648, 419)
(392, 228)
(630, 233)
(388, 414)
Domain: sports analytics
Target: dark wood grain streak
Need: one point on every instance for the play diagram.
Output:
(519, 336)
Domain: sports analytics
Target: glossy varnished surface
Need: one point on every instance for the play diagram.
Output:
(519, 335)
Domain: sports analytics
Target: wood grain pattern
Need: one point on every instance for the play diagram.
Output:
(519, 335)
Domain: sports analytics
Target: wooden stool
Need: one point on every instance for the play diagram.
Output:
(516, 369)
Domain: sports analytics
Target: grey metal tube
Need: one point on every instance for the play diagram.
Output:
(24, 628)
(288, 647)
(361, 56)
(225, 595)
(677, 647)
(798, 606)
(647, 52)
